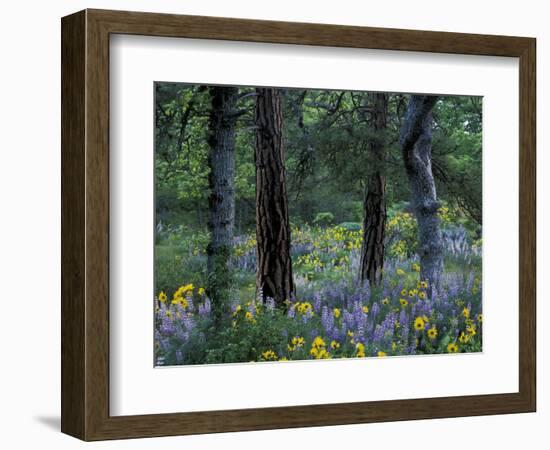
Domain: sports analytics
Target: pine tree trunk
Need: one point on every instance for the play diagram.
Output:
(416, 144)
(221, 202)
(274, 265)
(374, 204)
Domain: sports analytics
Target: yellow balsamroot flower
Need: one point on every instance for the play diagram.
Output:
(381, 354)
(425, 318)
(471, 330)
(248, 316)
(360, 350)
(162, 297)
(403, 302)
(304, 307)
(314, 351)
(424, 285)
(336, 312)
(416, 267)
(269, 355)
(350, 333)
(238, 309)
(400, 272)
(323, 354)
(432, 332)
(182, 290)
(365, 309)
(201, 291)
(182, 301)
(452, 348)
(419, 323)
(318, 342)
(480, 318)
(466, 313)
(334, 345)
(386, 301)
(284, 358)
(463, 338)
(422, 295)
(296, 342)
(404, 292)
(413, 292)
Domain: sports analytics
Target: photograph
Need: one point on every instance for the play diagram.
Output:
(309, 224)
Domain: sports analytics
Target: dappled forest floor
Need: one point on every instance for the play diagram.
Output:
(332, 314)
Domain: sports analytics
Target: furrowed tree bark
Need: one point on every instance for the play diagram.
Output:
(274, 265)
(416, 146)
(374, 204)
(221, 202)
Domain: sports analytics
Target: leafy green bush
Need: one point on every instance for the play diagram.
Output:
(323, 218)
(350, 226)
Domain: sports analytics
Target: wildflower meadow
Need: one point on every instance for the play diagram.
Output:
(321, 273)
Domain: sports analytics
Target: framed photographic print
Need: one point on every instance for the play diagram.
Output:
(271, 224)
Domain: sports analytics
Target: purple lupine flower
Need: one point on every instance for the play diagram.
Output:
(470, 282)
(335, 334)
(189, 322)
(291, 313)
(348, 319)
(167, 327)
(403, 319)
(190, 305)
(317, 302)
(404, 334)
(270, 304)
(324, 315)
(375, 309)
(205, 308)
(378, 333)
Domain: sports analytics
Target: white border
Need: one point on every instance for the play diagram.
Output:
(137, 388)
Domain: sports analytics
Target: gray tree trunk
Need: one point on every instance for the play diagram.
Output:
(274, 265)
(374, 204)
(221, 202)
(416, 146)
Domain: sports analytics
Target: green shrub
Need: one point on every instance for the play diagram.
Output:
(350, 226)
(323, 219)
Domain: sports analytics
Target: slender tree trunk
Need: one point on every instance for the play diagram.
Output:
(221, 202)
(374, 204)
(274, 265)
(416, 145)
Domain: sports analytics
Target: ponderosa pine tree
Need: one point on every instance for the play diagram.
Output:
(221, 202)
(374, 203)
(416, 147)
(274, 265)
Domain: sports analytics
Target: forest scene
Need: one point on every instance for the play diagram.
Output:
(306, 224)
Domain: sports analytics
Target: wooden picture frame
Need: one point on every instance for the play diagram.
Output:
(85, 224)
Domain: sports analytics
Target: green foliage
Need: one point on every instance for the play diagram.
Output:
(323, 219)
(402, 233)
(350, 226)
(180, 254)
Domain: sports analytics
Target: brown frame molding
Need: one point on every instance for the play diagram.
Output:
(85, 224)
